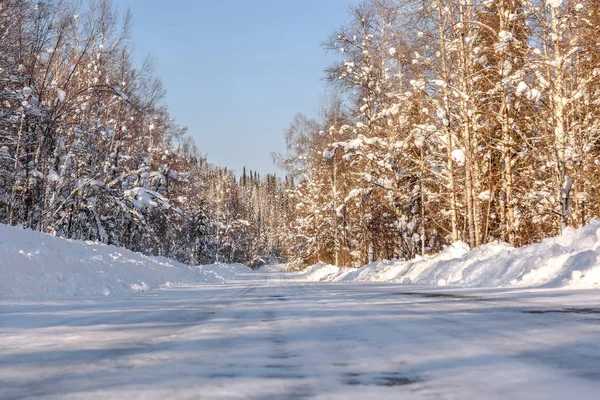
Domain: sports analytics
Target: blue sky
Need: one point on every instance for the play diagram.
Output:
(237, 71)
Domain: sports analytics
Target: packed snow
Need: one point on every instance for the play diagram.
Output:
(43, 265)
(571, 260)
(27, 91)
(226, 332)
(522, 88)
(270, 336)
(61, 95)
(554, 3)
(458, 156)
(36, 264)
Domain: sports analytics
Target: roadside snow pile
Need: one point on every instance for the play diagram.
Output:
(33, 263)
(571, 260)
(324, 272)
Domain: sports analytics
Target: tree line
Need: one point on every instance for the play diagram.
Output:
(446, 120)
(472, 120)
(88, 150)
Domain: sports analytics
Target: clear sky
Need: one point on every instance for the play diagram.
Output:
(237, 71)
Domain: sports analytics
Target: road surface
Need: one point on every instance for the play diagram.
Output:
(270, 336)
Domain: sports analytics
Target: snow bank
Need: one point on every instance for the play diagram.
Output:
(322, 272)
(33, 263)
(571, 260)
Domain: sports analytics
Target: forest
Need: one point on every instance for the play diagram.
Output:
(444, 121)
(88, 150)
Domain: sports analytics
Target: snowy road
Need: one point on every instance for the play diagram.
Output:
(271, 337)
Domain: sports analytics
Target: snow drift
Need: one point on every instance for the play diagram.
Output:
(33, 263)
(571, 260)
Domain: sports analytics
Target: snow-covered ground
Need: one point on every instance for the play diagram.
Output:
(269, 336)
(35, 264)
(571, 260)
(226, 332)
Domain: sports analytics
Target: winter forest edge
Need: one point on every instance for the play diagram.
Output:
(445, 121)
